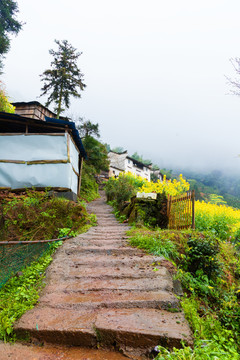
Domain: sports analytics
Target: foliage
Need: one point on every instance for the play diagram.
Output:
(21, 293)
(4, 102)
(96, 153)
(154, 243)
(216, 199)
(64, 78)
(118, 149)
(212, 341)
(119, 190)
(209, 272)
(201, 255)
(89, 187)
(169, 187)
(139, 158)
(36, 216)
(8, 25)
(124, 187)
(215, 182)
(221, 220)
(87, 128)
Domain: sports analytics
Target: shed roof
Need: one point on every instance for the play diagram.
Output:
(12, 123)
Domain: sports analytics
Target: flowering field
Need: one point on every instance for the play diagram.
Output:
(169, 187)
(223, 220)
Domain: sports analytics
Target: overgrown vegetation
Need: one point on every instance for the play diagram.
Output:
(121, 189)
(209, 270)
(22, 292)
(35, 215)
(89, 186)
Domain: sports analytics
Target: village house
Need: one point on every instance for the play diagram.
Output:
(40, 152)
(121, 162)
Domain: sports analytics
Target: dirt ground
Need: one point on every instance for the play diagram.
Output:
(30, 352)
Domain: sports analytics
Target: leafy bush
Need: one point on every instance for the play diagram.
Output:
(201, 255)
(121, 189)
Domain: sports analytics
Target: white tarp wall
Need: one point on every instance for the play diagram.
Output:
(38, 160)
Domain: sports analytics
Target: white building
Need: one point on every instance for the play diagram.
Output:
(124, 163)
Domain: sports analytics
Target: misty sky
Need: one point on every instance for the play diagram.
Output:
(155, 73)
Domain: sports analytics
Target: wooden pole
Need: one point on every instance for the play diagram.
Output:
(193, 209)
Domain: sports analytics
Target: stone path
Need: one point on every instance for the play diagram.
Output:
(101, 292)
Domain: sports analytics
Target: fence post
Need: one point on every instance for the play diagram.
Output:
(193, 209)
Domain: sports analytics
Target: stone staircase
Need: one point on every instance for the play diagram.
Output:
(102, 292)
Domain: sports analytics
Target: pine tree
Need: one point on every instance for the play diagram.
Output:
(64, 79)
(8, 25)
(87, 128)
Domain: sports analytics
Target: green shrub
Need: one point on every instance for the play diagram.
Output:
(119, 190)
(201, 255)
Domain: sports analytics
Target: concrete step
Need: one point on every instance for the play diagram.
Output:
(139, 330)
(134, 331)
(100, 260)
(87, 284)
(109, 250)
(63, 272)
(116, 244)
(111, 299)
(60, 326)
(102, 237)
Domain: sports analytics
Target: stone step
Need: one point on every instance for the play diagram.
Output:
(116, 227)
(62, 272)
(109, 250)
(140, 330)
(135, 331)
(111, 299)
(60, 326)
(100, 260)
(111, 272)
(116, 244)
(102, 237)
(99, 284)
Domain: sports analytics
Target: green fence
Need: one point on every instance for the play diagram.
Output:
(14, 256)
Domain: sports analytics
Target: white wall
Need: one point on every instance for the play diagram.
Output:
(28, 148)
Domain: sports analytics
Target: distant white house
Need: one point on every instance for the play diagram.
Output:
(123, 163)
